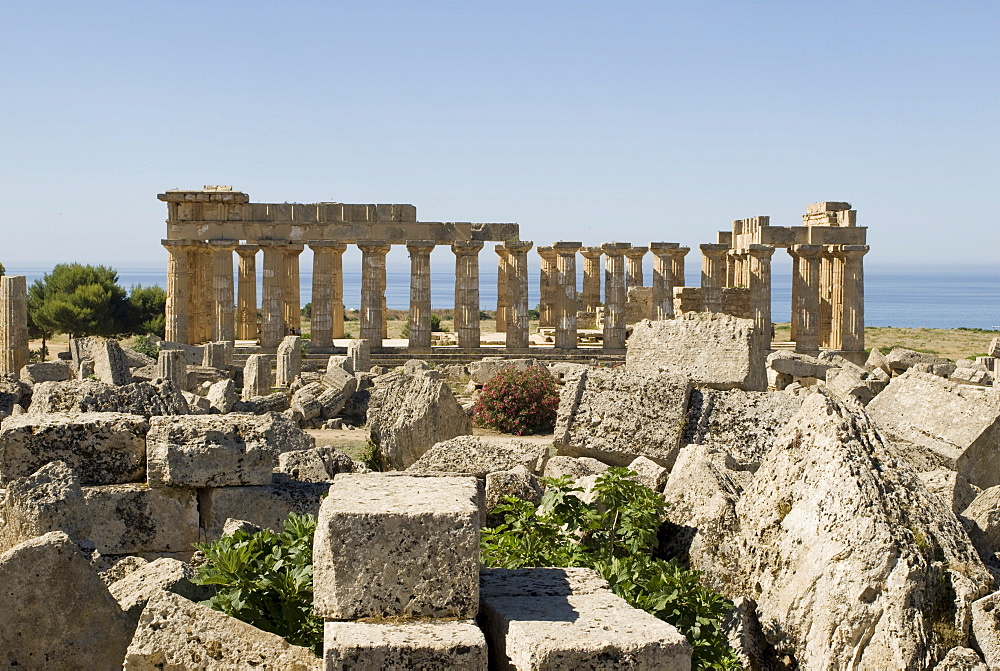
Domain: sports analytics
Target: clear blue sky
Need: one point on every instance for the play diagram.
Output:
(588, 121)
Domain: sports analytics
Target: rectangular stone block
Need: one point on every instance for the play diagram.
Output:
(549, 618)
(404, 646)
(102, 447)
(208, 451)
(714, 350)
(397, 545)
(266, 507)
(127, 519)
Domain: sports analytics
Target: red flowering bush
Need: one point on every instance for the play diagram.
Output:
(518, 402)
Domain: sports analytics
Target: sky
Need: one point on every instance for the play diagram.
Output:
(589, 121)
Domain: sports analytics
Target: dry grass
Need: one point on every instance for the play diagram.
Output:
(951, 344)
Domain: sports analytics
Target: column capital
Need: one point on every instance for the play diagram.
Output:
(294, 248)
(327, 246)
(715, 250)
(615, 248)
(467, 247)
(681, 251)
(374, 246)
(247, 250)
(591, 252)
(547, 252)
(636, 252)
(806, 251)
(180, 244)
(501, 250)
(664, 248)
(271, 243)
(567, 248)
(223, 245)
(854, 252)
(760, 251)
(522, 246)
(420, 246)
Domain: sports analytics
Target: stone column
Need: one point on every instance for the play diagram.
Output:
(246, 300)
(337, 250)
(13, 324)
(223, 324)
(178, 290)
(321, 318)
(759, 257)
(834, 262)
(503, 263)
(614, 295)
(854, 298)
(566, 297)
(677, 266)
(591, 278)
(372, 288)
(289, 361)
(171, 364)
(713, 272)
(467, 292)
(633, 267)
(793, 326)
(663, 279)
(202, 300)
(731, 268)
(547, 287)
(291, 294)
(517, 294)
(257, 379)
(420, 294)
(272, 326)
(806, 283)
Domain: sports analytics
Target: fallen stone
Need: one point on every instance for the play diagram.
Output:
(46, 371)
(389, 545)
(564, 371)
(218, 355)
(265, 506)
(877, 361)
(134, 518)
(851, 561)
(843, 383)
(479, 455)
(304, 400)
(483, 371)
(743, 423)
(257, 378)
(176, 633)
(13, 393)
(198, 405)
(213, 450)
(221, 396)
(239, 526)
(800, 365)
(712, 349)
(55, 612)
(101, 447)
(407, 414)
(518, 482)
(171, 364)
(159, 397)
(50, 499)
(944, 368)
(549, 618)
(112, 570)
(648, 473)
(319, 464)
(401, 646)
(617, 415)
(111, 365)
(134, 590)
(359, 357)
(952, 488)
(971, 375)
(279, 401)
(289, 361)
(953, 425)
(982, 520)
(573, 467)
(901, 359)
(961, 659)
(986, 628)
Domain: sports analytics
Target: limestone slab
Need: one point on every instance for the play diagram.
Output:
(427, 644)
(397, 545)
(50, 499)
(134, 518)
(101, 447)
(158, 397)
(175, 633)
(319, 464)
(264, 506)
(55, 612)
(135, 589)
(480, 455)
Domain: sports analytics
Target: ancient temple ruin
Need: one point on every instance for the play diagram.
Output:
(205, 228)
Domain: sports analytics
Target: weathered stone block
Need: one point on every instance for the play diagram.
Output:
(159, 397)
(176, 633)
(134, 590)
(101, 447)
(480, 455)
(134, 518)
(617, 415)
(289, 361)
(574, 467)
(407, 414)
(482, 371)
(390, 545)
(46, 371)
(404, 646)
(266, 507)
(901, 359)
(958, 425)
(221, 396)
(518, 482)
(986, 628)
(566, 619)
(50, 499)
(798, 365)
(257, 378)
(320, 464)
(55, 612)
(359, 356)
(957, 492)
(713, 349)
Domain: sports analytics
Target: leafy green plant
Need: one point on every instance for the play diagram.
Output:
(266, 579)
(371, 456)
(518, 401)
(616, 535)
(142, 345)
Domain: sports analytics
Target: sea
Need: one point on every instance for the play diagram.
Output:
(895, 295)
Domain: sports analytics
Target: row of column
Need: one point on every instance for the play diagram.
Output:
(828, 297)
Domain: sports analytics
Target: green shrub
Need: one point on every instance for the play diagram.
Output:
(435, 326)
(616, 535)
(142, 345)
(518, 401)
(266, 579)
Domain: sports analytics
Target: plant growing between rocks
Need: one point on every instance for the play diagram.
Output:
(616, 535)
(518, 401)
